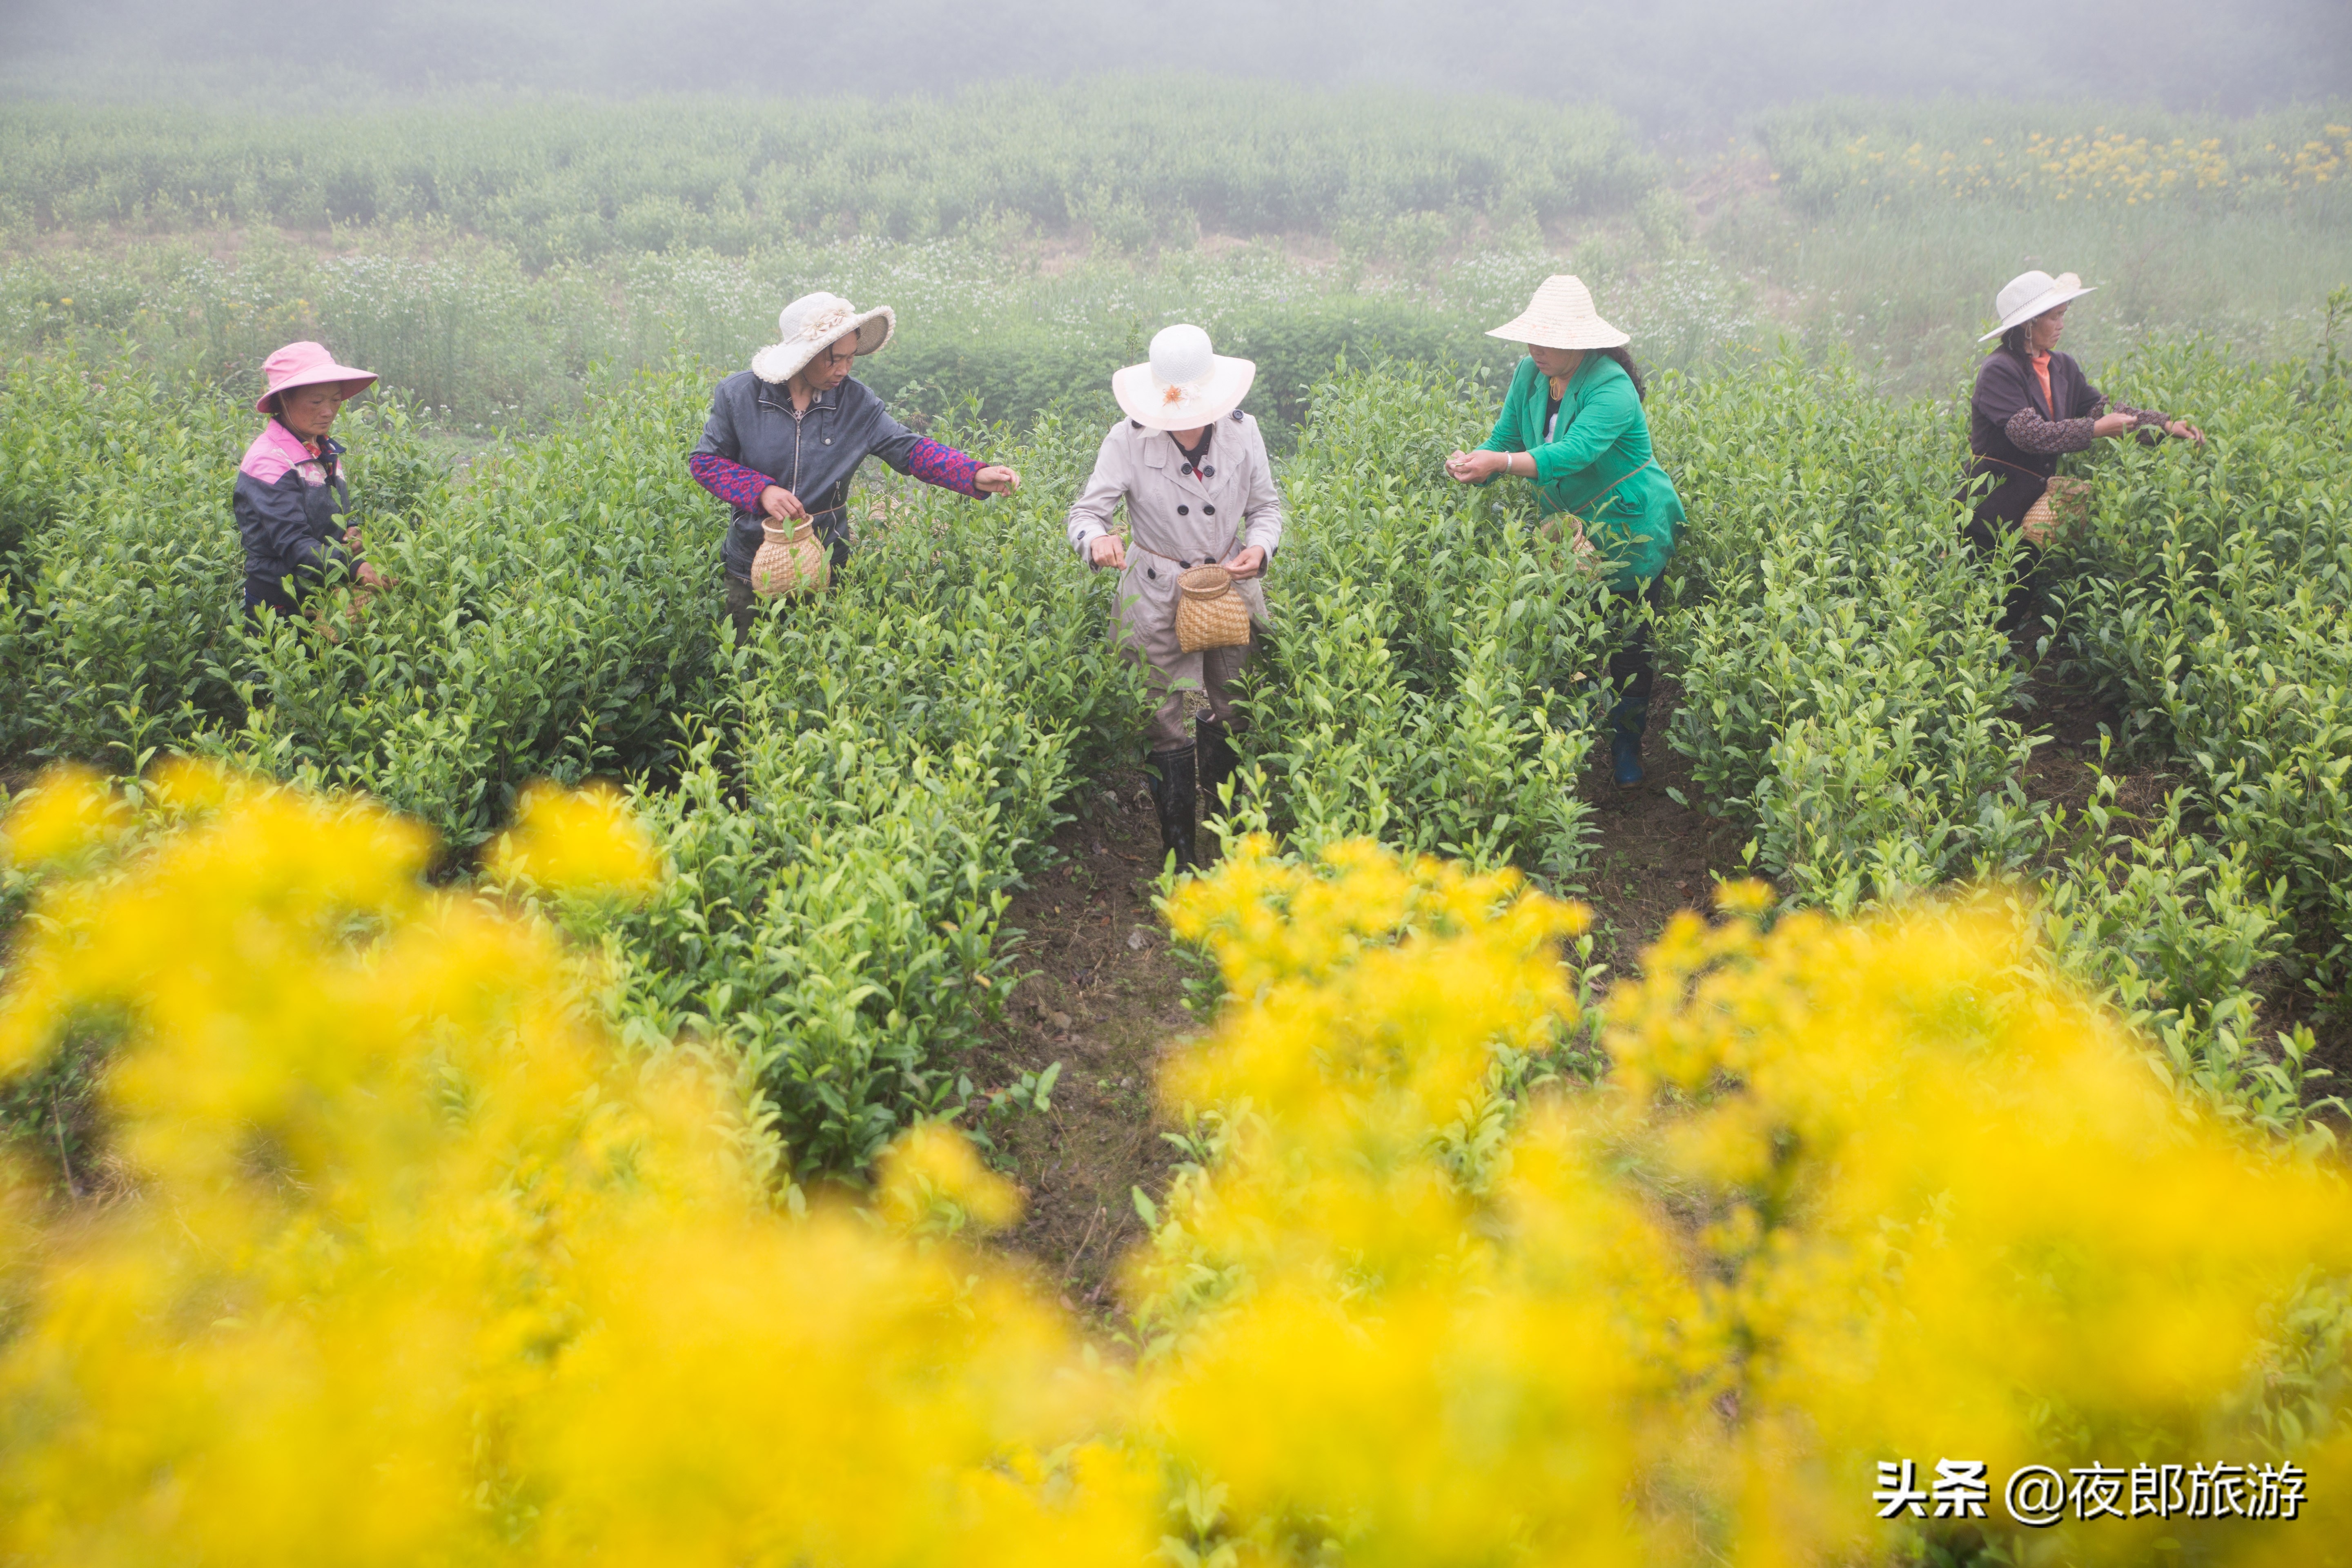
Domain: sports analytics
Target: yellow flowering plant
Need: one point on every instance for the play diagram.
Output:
(1854, 1193)
(402, 1259)
(405, 1263)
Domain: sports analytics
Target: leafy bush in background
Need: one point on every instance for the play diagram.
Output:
(1842, 152)
(1123, 156)
(1845, 692)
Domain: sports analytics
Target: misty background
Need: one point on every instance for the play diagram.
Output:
(1676, 67)
(496, 202)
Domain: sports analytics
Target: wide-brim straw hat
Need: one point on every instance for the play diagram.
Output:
(307, 365)
(2029, 294)
(1184, 385)
(813, 322)
(1561, 316)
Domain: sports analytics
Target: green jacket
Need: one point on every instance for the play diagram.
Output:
(1601, 439)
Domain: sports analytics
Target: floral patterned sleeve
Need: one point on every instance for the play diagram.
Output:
(728, 479)
(944, 467)
(2029, 430)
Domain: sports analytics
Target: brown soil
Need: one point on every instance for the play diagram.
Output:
(1652, 857)
(1102, 996)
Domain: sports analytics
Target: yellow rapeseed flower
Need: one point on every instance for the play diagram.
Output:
(411, 1265)
(66, 810)
(574, 841)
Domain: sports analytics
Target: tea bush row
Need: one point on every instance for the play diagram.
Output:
(846, 800)
(1128, 158)
(1846, 695)
(1848, 698)
(873, 774)
(472, 342)
(1434, 679)
(2210, 602)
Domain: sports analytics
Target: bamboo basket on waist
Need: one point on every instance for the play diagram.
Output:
(1209, 612)
(792, 563)
(2063, 507)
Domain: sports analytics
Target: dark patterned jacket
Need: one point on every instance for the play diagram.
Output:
(753, 440)
(2016, 437)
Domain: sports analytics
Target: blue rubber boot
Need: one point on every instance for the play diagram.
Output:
(1626, 751)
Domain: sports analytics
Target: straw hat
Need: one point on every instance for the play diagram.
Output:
(307, 365)
(814, 321)
(1561, 316)
(2029, 294)
(1183, 384)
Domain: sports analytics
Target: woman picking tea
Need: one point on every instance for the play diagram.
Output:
(785, 438)
(2031, 404)
(1205, 518)
(290, 494)
(1572, 424)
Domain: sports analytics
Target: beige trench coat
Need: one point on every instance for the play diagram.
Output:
(1178, 521)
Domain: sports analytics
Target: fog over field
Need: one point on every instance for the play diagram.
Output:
(1677, 66)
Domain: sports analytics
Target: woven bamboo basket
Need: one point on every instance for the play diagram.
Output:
(2063, 508)
(789, 563)
(1208, 613)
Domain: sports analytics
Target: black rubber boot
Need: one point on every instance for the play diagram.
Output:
(1175, 790)
(1213, 741)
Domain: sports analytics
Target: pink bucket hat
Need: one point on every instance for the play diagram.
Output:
(307, 365)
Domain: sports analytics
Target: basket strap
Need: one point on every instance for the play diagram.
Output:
(1203, 560)
(2004, 463)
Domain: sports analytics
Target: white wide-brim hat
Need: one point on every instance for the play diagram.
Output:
(813, 322)
(1561, 316)
(2029, 294)
(1184, 383)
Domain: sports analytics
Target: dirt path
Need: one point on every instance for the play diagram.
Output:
(1651, 855)
(1103, 998)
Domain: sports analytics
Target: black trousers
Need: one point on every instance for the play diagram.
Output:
(1984, 534)
(1633, 668)
(270, 588)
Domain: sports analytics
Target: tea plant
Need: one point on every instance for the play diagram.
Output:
(2212, 602)
(1436, 670)
(2180, 937)
(1132, 160)
(1847, 694)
